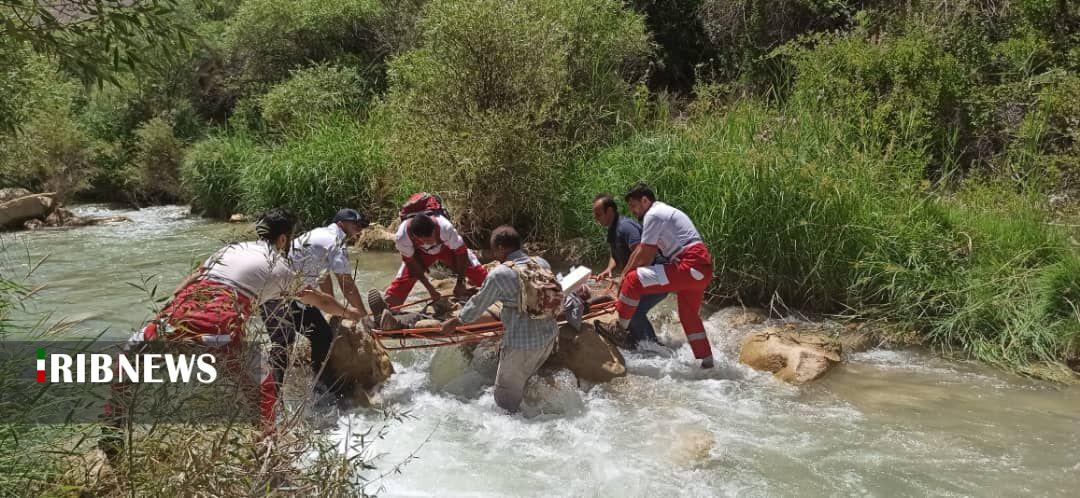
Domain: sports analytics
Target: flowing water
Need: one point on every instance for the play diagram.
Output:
(884, 423)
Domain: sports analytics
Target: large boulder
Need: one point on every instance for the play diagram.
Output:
(590, 356)
(376, 238)
(16, 211)
(790, 355)
(358, 359)
(11, 193)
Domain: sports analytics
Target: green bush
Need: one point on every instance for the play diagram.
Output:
(312, 93)
(158, 156)
(905, 87)
(51, 153)
(338, 163)
(212, 171)
(269, 38)
(49, 150)
(498, 94)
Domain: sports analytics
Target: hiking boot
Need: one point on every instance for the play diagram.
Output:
(376, 302)
(388, 322)
(617, 335)
(653, 348)
(707, 362)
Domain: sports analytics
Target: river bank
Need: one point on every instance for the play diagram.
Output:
(886, 421)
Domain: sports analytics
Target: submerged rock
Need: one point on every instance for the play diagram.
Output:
(790, 355)
(358, 359)
(587, 354)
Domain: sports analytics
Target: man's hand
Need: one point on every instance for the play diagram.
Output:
(604, 275)
(449, 325)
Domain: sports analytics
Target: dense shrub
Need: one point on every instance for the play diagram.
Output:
(498, 93)
(268, 38)
(312, 93)
(212, 171)
(338, 163)
(48, 150)
(158, 155)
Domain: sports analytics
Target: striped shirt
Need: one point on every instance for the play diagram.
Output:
(502, 284)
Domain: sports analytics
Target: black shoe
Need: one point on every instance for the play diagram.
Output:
(376, 302)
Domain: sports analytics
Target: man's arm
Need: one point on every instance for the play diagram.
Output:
(461, 264)
(416, 269)
(607, 271)
(327, 303)
(642, 256)
(489, 293)
(351, 292)
(326, 286)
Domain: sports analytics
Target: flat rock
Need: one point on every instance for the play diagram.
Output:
(11, 193)
(791, 356)
(15, 212)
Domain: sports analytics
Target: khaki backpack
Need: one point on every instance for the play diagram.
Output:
(541, 293)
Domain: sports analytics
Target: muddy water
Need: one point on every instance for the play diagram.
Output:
(885, 423)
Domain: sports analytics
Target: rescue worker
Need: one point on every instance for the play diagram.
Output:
(623, 237)
(316, 255)
(211, 306)
(422, 239)
(669, 232)
(528, 341)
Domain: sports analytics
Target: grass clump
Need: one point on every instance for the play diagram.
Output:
(338, 163)
(212, 171)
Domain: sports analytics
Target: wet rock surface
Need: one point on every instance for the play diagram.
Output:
(358, 359)
(790, 354)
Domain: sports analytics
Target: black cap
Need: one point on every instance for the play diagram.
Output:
(347, 214)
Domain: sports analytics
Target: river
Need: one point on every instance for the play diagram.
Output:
(884, 423)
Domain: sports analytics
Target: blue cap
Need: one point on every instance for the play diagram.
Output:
(347, 214)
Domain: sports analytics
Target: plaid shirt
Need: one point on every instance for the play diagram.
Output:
(502, 284)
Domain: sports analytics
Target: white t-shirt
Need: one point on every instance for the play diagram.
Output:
(668, 229)
(320, 250)
(447, 234)
(253, 267)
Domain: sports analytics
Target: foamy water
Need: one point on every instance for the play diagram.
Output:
(885, 423)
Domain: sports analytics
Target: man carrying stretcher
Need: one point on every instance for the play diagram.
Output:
(424, 238)
(669, 232)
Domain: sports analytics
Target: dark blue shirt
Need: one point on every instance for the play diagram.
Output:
(623, 235)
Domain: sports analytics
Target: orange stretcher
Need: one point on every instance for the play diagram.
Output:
(433, 337)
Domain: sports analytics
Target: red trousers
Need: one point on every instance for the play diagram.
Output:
(687, 276)
(213, 315)
(404, 281)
